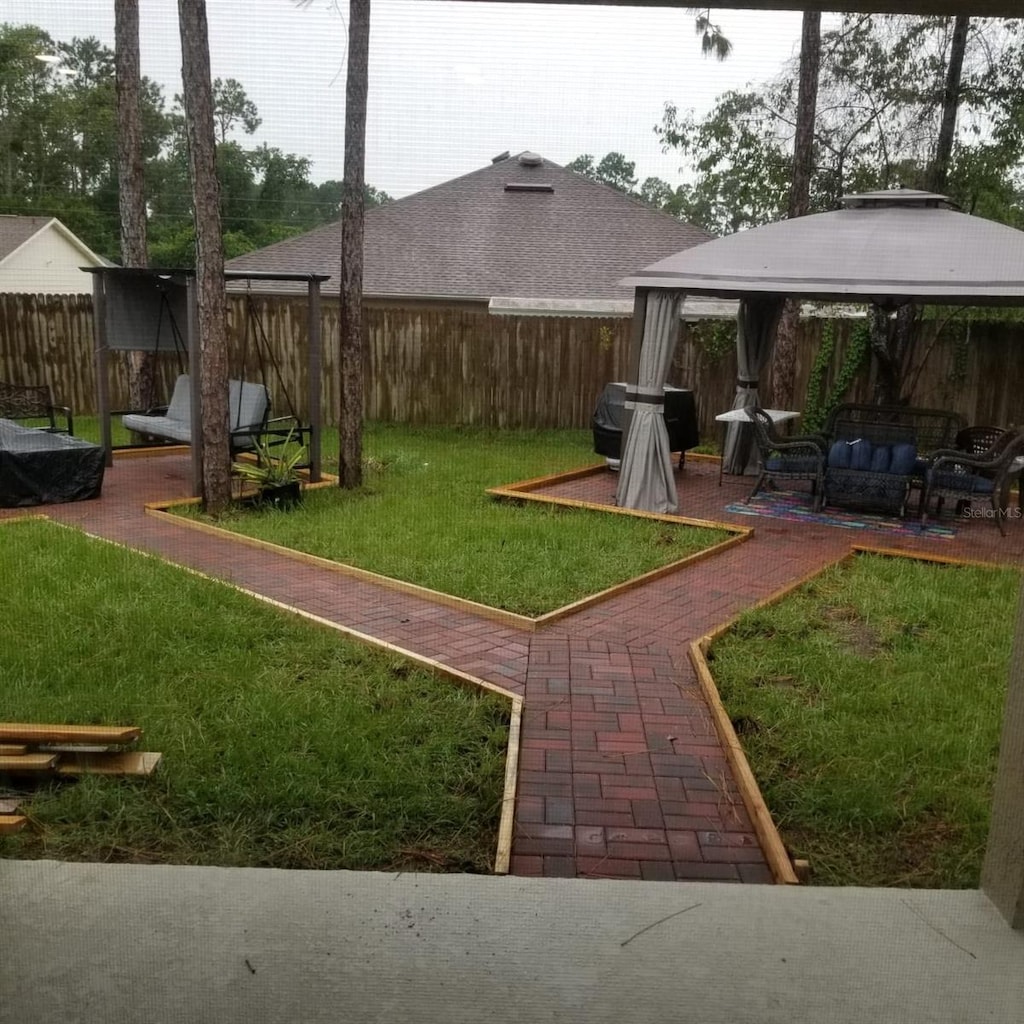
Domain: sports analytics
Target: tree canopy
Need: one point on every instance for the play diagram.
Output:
(58, 155)
(882, 83)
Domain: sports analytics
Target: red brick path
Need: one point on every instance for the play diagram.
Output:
(621, 773)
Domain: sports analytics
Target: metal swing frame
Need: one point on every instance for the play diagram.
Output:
(187, 277)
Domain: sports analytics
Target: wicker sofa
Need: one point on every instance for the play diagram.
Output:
(878, 454)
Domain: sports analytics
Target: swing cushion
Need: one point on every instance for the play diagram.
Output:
(248, 407)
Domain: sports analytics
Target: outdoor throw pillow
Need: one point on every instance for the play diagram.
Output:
(880, 457)
(904, 459)
(839, 455)
(860, 454)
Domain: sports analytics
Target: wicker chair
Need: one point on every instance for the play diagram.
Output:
(966, 477)
(978, 440)
(788, 458)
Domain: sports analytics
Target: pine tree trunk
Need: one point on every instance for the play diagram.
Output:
(212, 301)
(939, 170)
(784, 357)
(350, 421)
(130, 179)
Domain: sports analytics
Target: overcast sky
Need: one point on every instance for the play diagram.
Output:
(452, 84)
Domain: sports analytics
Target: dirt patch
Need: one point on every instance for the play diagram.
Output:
(850, 629)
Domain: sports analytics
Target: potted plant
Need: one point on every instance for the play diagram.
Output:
(274, 472)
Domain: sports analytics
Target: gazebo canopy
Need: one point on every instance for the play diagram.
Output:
(885, 247)
(888, 248)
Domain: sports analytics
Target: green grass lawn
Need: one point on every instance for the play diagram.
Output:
(284, 745)
(869, 704)
(423, 516)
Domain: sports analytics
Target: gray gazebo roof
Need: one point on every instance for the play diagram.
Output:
(887, 247)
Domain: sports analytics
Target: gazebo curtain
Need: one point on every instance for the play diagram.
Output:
(757, 322)
(645, 474)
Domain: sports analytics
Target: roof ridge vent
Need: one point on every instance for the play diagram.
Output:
(501, 156)
(528, 159)
(529, 186)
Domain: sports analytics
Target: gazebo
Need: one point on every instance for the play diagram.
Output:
(888, 248)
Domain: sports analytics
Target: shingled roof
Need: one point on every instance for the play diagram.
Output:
(15, 231)
(553, 234)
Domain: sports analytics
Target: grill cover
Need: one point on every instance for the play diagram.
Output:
(680, 419)
(40, 468)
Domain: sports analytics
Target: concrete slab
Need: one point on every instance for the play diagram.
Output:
(111, 943)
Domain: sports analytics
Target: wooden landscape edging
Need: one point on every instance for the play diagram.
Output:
(160, 510)
(512, 492)
(502, 860)
(784, 871)
(767, 834)
(927, 556)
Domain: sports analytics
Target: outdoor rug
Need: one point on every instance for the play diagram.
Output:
(795, 507)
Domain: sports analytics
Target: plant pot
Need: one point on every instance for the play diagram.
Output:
(281, 496)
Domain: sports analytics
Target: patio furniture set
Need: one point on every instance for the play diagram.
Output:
(874, 457)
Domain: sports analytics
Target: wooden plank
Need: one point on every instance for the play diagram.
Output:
(18, 763)
(23, 732)
(503, 856)
(12, 749)
(768, 835)
(9, 805)
(11, 823)
(134, 762)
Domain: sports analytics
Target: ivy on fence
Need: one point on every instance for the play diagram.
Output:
(818, 407)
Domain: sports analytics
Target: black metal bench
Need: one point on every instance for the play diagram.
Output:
(20, 402)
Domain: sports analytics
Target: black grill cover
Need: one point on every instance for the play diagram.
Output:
(40, 468)
(680, 419)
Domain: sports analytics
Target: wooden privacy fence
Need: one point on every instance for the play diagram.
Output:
(460, 365)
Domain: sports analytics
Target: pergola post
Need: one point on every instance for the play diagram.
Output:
(315, 378)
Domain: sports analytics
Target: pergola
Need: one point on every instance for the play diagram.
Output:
(888, 248)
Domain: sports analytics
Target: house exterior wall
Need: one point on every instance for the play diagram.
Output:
(47, 264)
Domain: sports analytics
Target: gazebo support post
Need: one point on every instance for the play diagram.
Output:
(99, 322)
(636, 344)
(315, 378)
(646, 480)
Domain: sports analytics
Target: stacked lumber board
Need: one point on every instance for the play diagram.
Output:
(10, 820)
(32, 749)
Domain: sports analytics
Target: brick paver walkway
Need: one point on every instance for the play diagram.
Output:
(621, 772)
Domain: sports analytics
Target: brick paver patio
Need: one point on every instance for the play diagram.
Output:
(621, 773)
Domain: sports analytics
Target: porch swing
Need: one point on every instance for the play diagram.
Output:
(132, 308)
(248, 403)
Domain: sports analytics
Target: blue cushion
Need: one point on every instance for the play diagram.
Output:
(963, 482)
(904, 459)
(839, 455)
(880, 458)
(860, 454)
(791, 464)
